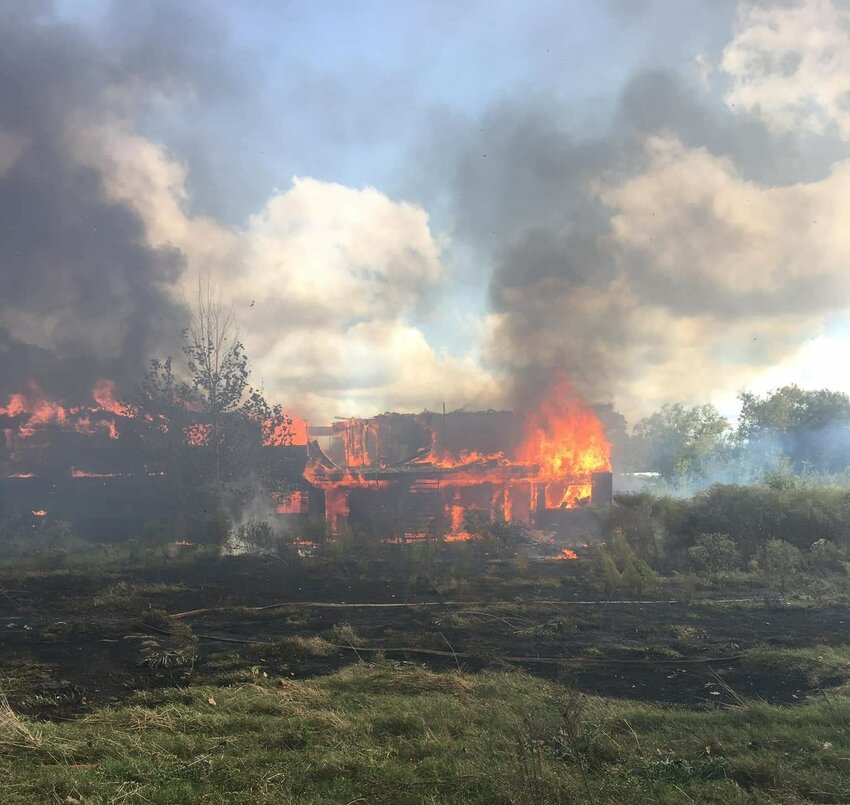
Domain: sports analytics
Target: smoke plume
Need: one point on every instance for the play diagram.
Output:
(84, 294)
(686, 246)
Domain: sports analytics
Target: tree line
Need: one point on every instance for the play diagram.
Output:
(787, 431)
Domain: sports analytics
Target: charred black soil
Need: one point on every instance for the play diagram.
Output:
(74, 640)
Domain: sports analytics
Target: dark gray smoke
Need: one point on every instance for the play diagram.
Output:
(523, 193)
(81, 294)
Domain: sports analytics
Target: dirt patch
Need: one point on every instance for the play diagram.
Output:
(94, 640)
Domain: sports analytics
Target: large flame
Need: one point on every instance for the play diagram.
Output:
(565, 439)
(37, 412)
(103, 394)
(561, 443)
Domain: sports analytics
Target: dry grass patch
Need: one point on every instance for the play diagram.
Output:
(14, 733)
(388, 678)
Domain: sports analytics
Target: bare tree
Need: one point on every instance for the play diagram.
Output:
(217, 364)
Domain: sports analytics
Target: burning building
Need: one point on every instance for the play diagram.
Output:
(86, 464)
(415, 476)
(397, 476)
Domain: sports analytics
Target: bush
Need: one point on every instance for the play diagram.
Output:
(826, 557)
(255, 536)
(619, 570)
(750, 516)
(645, 521)
(715, 555)
(778, 563)
(498, 536)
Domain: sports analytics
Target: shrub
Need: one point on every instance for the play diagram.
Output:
(826, 557)
(714, 555)
(619, 570)
(778, 563)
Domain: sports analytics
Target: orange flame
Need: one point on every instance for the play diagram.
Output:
(567, 554)
(293, 503)
(457, 533)
(336, 509)
(75, 473)
(299, 431)
(103, 394)
(565, 438)
(459, 536)
(282, 434)
(197, 435)
(41, 412)
(562, 444)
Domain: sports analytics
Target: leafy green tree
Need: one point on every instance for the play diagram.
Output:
(715, 555)
(237, 416)
(681, 443)
(163, 426)
(812, 428)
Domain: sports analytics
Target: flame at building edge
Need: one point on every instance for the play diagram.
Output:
(562, 440)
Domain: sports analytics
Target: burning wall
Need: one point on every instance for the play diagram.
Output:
(419, 474)
(83, 463)
(403, 475)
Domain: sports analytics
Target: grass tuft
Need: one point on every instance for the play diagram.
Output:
(14, 733)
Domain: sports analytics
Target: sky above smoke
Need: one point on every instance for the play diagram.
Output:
(410, 204)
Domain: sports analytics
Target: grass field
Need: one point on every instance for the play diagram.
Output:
(385, 732)
(497, 687)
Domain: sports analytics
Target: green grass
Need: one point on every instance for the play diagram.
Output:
(401, 734)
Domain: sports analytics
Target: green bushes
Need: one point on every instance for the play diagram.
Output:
(661, 528)
(752, 515)
(786, 535)
(778, 563)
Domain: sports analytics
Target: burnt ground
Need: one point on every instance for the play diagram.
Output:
(73, 640)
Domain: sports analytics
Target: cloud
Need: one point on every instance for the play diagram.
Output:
(673, 256)
(335, 275)
(325, 280)
(705, 238)
(676, 253)
(789, 64)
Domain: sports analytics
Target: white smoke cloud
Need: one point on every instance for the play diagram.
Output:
(691, 218)
(725, 276)
(789, 64)
(325, 280)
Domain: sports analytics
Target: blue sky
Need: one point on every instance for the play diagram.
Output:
(341, 91)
